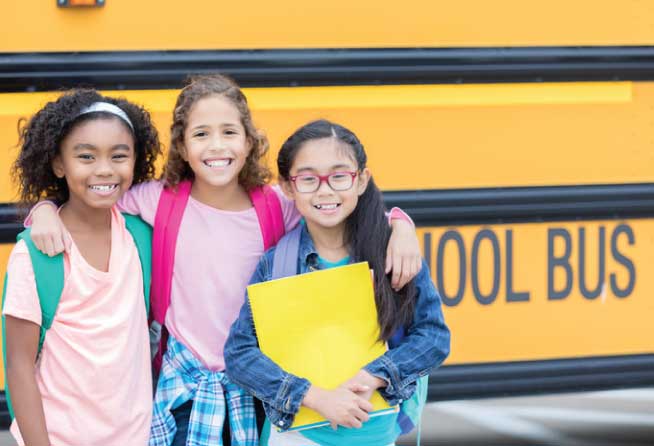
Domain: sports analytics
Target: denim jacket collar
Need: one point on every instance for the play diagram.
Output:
(308, 256)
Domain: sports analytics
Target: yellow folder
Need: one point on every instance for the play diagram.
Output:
(321, 326)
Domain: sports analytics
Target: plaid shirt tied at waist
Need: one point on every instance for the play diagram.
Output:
(184, 378)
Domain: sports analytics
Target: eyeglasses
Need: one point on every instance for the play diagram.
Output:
(338, 181)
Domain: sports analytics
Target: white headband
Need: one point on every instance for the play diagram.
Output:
(109, 108)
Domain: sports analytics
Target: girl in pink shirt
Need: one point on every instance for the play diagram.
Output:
(91, 382)
(214, 144)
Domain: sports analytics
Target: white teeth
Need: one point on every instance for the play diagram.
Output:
(326, 206)
(103, 187)
(218, 163)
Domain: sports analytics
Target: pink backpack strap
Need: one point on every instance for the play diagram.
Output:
(269, 212)
(167, 220)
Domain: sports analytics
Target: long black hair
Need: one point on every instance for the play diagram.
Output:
(366, 228)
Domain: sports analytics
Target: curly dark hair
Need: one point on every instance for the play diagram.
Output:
(41, 137)
(254, 173)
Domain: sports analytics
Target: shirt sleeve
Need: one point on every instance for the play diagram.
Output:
(289, 211)
(399, 214)
(425, 346)
(142, 200)
(21, 298)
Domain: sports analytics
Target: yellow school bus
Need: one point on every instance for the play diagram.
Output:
(520, 137)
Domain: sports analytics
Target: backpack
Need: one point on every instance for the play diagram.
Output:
(168, 218)
(285, 264)
(49, 278)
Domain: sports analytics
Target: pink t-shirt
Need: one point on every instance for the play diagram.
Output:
(94, 370)
(216, 254)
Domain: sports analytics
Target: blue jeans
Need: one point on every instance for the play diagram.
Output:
(182, 416)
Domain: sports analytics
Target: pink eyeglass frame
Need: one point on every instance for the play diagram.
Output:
(323, 178)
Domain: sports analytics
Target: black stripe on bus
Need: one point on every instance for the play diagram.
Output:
(522, 378)
(540, 377)
(10, 223)
(315, 67)
(486, 206)
(525, 204)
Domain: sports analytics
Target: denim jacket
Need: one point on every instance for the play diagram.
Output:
(426, 345)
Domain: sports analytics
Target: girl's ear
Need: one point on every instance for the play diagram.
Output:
(287, 188)
(58, 167)
(251, 142)
(362, 181)
(181, 149)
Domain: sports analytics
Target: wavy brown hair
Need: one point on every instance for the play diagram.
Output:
(254, 173)
(41, 137)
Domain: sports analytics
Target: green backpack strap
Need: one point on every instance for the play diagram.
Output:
(49, 278)
(142, 235)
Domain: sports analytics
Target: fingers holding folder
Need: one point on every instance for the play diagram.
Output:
(363, 384)
(339, 406)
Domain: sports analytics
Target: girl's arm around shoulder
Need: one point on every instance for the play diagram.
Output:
(48, 231)
(142, 199)
(403, 255)
(426, 345)
(289, 211)
(282, 393)
(50, 236)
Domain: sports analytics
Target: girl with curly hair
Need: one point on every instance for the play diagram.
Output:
(91, 383)
(218, 154)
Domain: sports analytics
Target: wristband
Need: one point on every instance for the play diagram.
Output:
(398, 214)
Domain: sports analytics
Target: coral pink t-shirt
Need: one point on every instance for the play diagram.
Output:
(216, 254)
(94, 370)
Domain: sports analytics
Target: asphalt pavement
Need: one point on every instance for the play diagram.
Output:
(608, 418)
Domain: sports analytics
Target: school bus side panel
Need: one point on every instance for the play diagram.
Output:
(467, 136)
(36, 25)
(449, 137)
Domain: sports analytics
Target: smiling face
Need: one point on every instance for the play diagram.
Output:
(97, 160)
(326, 207)
(215, 142)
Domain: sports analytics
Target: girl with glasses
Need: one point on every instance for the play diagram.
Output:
(322, 168)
